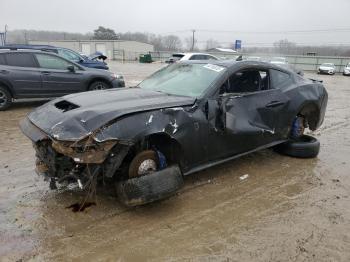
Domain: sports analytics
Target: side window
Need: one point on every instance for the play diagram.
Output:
(247, 81)
(20, 59)
(52, 62)
(209, 57)
(195, 57)
(2, 59)
(280, 79)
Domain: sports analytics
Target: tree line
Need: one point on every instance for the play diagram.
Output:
(172, 42)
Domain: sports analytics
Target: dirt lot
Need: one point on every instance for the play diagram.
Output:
(286, 209)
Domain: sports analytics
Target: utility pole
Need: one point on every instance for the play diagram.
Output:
(5, 35)
(193, 31)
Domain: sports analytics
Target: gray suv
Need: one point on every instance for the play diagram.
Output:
(37, 74)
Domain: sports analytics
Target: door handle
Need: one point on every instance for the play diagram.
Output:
(275, 104)
(4, 71)
(45, 72)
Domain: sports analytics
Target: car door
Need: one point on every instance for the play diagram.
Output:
(249, 111)
(21, 70)
(56, 76)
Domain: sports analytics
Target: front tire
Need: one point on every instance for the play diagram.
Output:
(149, 188)
(143, 163)
(98, 85)
(5, 98)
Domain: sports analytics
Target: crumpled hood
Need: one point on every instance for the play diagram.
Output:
(76, 116)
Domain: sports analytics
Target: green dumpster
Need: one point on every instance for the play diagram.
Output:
(145, 58)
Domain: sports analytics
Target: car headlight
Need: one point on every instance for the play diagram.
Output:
(86, 151)
(116, 76)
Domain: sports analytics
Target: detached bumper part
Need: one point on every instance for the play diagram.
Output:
(149, 188)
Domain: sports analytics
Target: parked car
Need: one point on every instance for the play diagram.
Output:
(38, 74)
(91, 61)
(326, 68)
(190, 56)
(346, 70)
(184, 118)
(278, 61)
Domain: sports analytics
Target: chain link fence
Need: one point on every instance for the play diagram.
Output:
(306, 63)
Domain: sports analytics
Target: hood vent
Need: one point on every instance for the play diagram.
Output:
(66, 105)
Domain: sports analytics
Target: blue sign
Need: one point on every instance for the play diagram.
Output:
(238, 44)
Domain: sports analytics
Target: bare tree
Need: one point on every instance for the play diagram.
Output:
(172, 43)
(284, 46)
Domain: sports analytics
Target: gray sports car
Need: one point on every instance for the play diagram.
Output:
(185, 117)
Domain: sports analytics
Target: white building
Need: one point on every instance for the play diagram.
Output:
(113, 49)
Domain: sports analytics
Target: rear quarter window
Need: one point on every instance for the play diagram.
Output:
(280, 80)
(20, 59)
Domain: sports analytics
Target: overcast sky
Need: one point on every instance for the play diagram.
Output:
(243, 18)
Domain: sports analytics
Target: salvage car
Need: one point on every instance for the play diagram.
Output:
(37, 74)
(91, 61)
(326, 68)
(346, 71)
(182, 119)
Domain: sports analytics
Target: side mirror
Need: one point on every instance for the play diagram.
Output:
(71, 68)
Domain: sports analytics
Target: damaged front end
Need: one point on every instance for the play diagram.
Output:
(74, 162)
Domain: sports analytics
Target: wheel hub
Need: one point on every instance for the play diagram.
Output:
(99, 86)
(3, 98)
(147, 166)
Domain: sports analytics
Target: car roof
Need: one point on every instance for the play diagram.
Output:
(25, 51)
(244, 63)
(34, 47)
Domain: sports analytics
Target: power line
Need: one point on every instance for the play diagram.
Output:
(336, 30)
(278, 32)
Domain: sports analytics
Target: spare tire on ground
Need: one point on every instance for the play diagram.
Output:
(303, 147)
(151, 187)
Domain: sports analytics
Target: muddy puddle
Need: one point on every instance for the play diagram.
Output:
(261, 207)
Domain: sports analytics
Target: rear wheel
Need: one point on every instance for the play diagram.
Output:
(302, 147)
(5, 98)
(299, 145)
(98, 85)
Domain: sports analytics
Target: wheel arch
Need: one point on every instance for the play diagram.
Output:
(311, 112)
(97, 79)
(8, 87)
(167, 145)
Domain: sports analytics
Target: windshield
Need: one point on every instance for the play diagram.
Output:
(69, 55)
(183, 79)
(327, 64)
(178, 56)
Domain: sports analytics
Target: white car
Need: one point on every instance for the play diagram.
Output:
(326, 68)
(190, 56)
(279, 61)
(346, 71)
